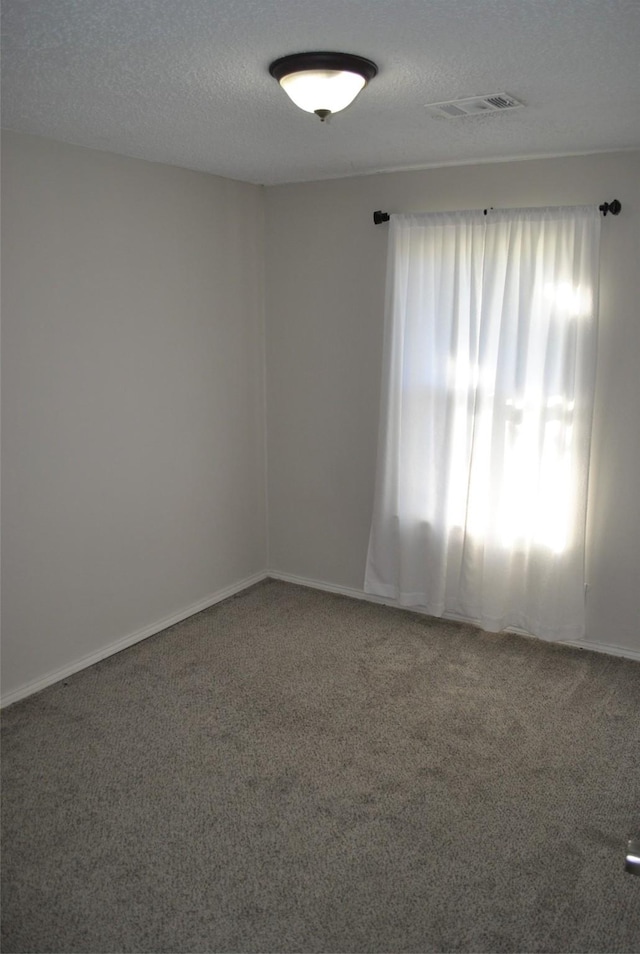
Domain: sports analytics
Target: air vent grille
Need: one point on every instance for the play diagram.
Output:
(474, 106)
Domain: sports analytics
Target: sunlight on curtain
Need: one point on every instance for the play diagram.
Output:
(483, 454)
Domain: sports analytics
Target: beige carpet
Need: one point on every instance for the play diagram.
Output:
(296, 771)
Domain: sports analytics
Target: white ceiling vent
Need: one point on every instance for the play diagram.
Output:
(474, 106)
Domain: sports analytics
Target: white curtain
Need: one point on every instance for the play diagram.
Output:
(489, 365)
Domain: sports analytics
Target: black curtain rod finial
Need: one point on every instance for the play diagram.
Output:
(380, 217)
(614, 207)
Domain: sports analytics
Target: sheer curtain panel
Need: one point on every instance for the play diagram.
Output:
(483, 454)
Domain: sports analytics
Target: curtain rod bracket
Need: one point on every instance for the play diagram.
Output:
(613, 207)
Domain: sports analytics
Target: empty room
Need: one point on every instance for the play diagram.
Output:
(320, 468)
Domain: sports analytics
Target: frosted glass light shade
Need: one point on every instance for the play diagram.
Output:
(322, 83)
(330, 90)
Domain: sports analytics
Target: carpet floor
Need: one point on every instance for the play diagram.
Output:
(292, 770)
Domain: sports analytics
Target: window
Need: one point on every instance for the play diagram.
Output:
(487, 399)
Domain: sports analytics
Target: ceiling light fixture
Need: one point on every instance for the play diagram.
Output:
(323, 83)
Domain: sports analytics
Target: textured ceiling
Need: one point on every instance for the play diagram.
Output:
(186, 81)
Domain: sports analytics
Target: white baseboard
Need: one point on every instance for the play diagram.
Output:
(125, 641)
(359, 594)
(56, 675)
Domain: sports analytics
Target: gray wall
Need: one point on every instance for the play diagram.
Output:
(325, 280)
(133, 397)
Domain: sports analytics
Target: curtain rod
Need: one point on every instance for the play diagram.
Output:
(614, 207)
